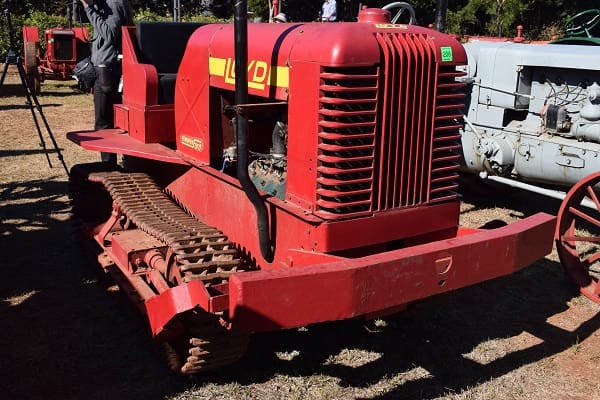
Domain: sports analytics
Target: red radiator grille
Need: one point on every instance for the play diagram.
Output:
(446, 149)
(389, 135)
(346, 141)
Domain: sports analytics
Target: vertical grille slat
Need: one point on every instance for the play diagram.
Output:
(425, 137)
(402, 141)
(388, 134)
(412, 176)
(385, 118)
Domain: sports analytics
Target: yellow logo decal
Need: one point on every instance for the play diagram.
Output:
(193, 143)
(260, 73)
(391, 26)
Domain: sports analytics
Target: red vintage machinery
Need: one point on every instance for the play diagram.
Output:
(64, 48)
(307, 177)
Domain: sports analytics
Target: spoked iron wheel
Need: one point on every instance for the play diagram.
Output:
(578, 236)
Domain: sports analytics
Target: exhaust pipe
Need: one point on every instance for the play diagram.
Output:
(240, 27)
(440, 15)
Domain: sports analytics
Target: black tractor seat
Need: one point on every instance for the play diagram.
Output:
(162, 44)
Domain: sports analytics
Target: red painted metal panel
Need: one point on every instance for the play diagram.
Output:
(290, 297)
(121, 117)
(401, 224)
(303, 106)
(192, 96)
(140, 80)
(163, 307)
(31, 34)
(296, 231)
(152, 124)
(147, 121)
(116, 141)
(270, 46)
(394, 124)
(336, 45)
(81, 33)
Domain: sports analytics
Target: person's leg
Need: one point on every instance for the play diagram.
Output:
(104, 96)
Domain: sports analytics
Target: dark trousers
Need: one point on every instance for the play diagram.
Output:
(106, 94)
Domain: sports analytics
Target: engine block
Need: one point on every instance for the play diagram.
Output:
(534, 111)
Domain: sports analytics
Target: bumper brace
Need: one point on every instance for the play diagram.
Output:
(290, 297)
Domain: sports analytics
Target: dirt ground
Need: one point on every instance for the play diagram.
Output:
(68, 334)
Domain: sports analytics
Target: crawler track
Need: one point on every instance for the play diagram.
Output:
(202, 252)
(196, 250)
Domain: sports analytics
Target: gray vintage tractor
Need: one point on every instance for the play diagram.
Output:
(533, 122)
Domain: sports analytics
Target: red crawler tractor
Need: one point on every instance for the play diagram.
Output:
(307, 177)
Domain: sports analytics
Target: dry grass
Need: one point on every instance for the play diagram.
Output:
(68, 335)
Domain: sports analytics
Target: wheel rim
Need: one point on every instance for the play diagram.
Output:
(31, 50)
(578, 237)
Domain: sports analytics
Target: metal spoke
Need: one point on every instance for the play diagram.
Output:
(584, 239)
(584, 216)
(594, 197)
(591, 260)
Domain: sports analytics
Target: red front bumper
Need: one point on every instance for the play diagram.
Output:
(291, 297)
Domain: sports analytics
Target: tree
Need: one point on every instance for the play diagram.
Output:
(259, 9)
(475, 17)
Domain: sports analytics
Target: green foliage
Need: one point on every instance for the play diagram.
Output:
(550, 32)
(541, 19)
(501, 17)
(36, 18)
(259, 9)
(199, 17)
(44, 21)
(17, 21)
(146, 14)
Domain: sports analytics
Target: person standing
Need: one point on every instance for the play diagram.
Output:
(329, 12)
(107, 17)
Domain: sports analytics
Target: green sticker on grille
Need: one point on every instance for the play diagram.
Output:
(447, 54)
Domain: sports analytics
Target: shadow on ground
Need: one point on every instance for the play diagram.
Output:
(67, 337)
(64, 335)
(16, 88)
